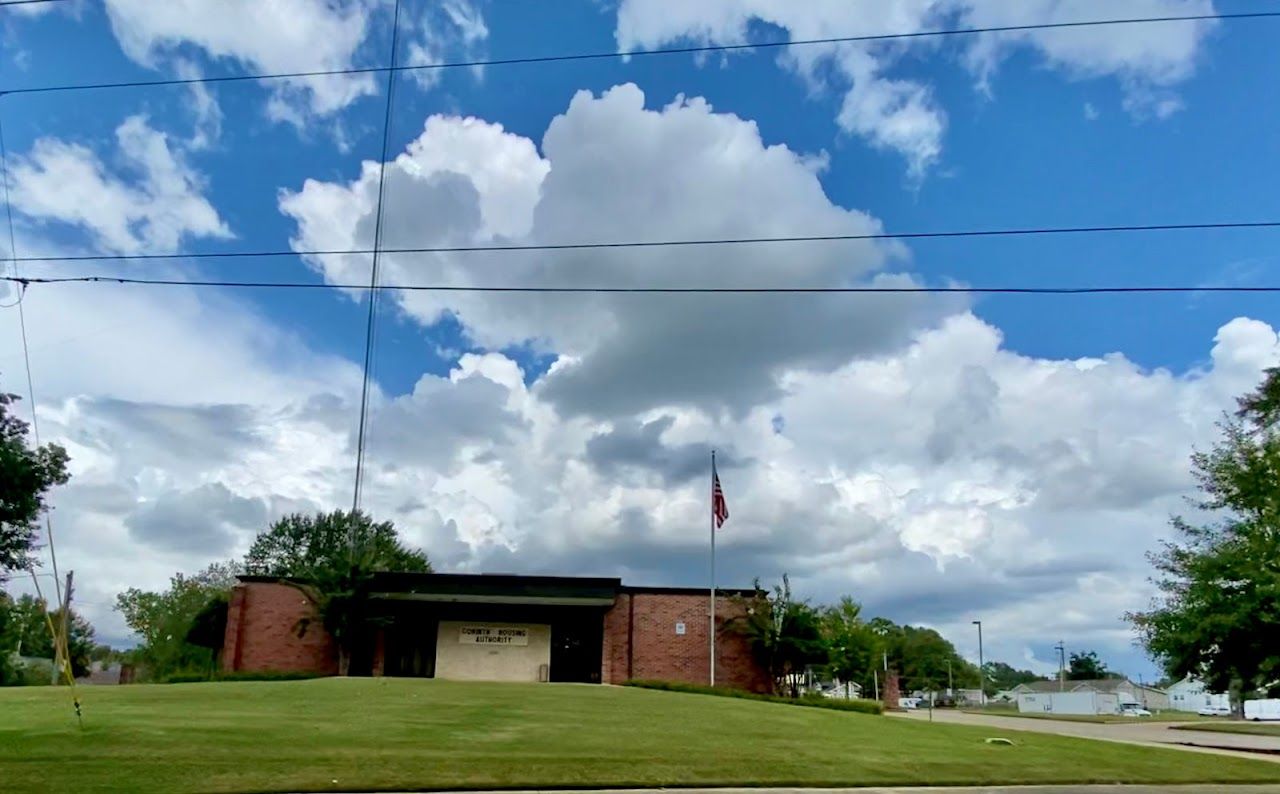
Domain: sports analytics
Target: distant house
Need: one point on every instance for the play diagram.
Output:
(1125, 691)
(102, 674)
(1190, 694)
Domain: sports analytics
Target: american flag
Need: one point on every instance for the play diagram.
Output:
(719, 507)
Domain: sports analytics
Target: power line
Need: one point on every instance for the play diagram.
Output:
(456, 249)
(856, 290)
(371, 326)
(27, 2)
(642, 53)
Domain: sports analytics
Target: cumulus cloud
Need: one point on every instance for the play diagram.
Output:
(612, 169)
(290, 36)
(151, 204)
(945, 480)
(901, 114)
(283, 36)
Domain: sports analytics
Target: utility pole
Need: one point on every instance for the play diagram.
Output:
(951, 681)
(982, 667)
(64, 646)
(1061, 648)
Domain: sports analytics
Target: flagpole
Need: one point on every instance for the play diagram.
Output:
(712, 627)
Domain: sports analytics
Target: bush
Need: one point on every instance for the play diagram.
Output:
(813, 701)
(241, 675)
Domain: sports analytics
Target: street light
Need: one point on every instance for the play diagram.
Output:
(1061, 648)
(982, 667)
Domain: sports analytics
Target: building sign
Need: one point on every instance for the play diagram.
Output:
(679, 628)
(493, 635)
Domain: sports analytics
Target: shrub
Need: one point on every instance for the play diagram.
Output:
(242, 675)
(812, 701)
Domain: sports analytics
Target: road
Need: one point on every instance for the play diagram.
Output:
(1152, 733)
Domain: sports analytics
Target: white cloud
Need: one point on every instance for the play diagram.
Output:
(150, 205)
(947, 480)
(610, 169)
(280, 36)
(901, 114)
(453, 29)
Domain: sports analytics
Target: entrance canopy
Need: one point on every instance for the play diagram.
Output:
(487, 588)
(493, 626)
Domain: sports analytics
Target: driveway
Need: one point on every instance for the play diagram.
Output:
(1152, 733)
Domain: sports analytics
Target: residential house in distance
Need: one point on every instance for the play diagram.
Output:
(1121, 691)
(1190, 694)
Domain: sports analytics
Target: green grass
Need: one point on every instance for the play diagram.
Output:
(809, 701)
(1108, 719)
(1256, 728)
(368, 734)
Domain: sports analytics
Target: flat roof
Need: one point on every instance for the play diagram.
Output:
(514, 588)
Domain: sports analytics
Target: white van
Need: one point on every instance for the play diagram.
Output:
(1262, 709)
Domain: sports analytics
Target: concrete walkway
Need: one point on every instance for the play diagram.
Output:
(1148, 733)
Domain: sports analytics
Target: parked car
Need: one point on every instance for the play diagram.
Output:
(1133, 710)
(909, 703)
(1215, 711)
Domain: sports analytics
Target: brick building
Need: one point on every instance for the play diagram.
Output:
(499, 628)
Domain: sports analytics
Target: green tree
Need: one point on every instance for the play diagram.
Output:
(26, 476)
(1088, 667)
(785, 635)
(24, 631)
(306, 546)
(1218, 610)
(165, 620)
(332, 557)
(850, 642)
(1001, 676)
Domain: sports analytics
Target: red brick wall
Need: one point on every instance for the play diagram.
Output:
(659, 653)
(263, 631)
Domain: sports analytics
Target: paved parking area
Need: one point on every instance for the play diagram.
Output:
(1153, 733)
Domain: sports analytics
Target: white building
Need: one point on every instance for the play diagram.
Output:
(1113, 693)
(1189, 694)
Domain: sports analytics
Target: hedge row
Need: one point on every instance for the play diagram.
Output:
(242, 675)
(812, 701)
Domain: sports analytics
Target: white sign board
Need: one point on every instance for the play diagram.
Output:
(493, 635)
(679, 628)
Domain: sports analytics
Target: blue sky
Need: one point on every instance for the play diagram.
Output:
(1150, 125)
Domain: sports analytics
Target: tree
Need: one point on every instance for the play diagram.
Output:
(26, 476)
(24, 631)
(851, 645)
(785, 635)
(303, 546)
(332, 557)
(1001, 676)
(1088, 667)
(166, 620)
(1217, 613)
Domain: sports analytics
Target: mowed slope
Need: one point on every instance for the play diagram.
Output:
(369, 734)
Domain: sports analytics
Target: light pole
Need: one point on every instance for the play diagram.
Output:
(982, 667)
(1061, 648)
(951, 681)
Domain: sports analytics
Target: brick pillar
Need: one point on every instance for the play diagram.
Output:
(891, 691)
(379, 653)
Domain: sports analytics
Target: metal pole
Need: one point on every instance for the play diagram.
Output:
(1061, 648)
(712, 626)
(875, 682)
(951, 681)
(982, 667)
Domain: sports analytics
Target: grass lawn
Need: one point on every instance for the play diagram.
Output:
(1165, 716)
(367, 734)
(1258, 728)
